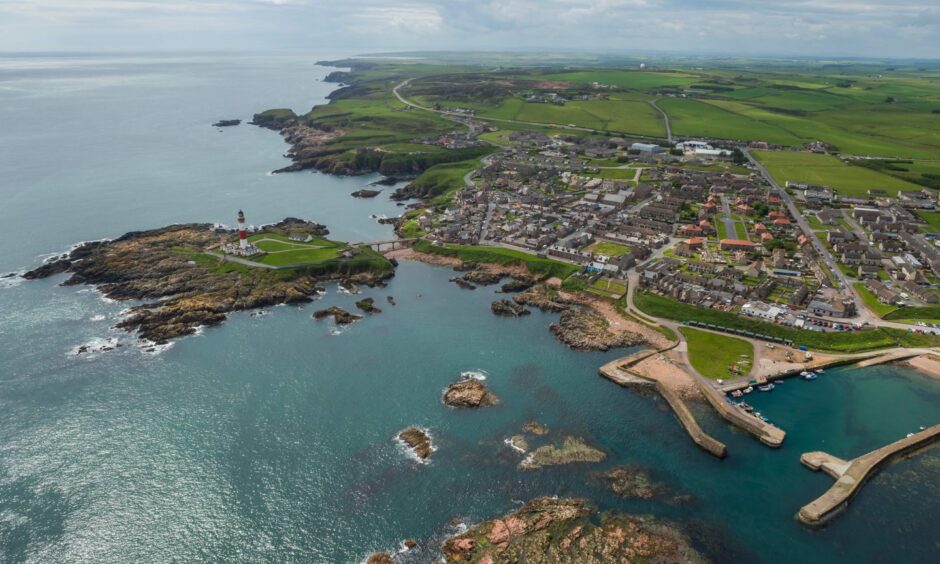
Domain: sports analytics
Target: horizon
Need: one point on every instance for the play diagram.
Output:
(880, 29)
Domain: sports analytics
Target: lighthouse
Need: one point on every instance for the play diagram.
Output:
(242, 231)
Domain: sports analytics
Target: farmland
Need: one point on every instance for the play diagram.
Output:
(829, 171)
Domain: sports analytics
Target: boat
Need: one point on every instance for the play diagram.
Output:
(748, 390)
(804, 374)
(745, 406)
(766, 388)
(810, 376)
(737, 394)
(819, 371)
(909, 435)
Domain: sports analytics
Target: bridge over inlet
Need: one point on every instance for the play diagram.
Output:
(391, 244)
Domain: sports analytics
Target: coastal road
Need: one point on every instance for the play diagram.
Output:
(665, 119)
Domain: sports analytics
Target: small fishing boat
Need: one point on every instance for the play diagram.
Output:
(748, 390)
(819, 371)
(810, 376)
(745, 407)
(737, 394)
(766, 388)
(910, 435)
(805, 374)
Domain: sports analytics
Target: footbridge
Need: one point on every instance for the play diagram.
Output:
(391, 244)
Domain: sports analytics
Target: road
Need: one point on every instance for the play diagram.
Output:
(665, 119)
(452, 115)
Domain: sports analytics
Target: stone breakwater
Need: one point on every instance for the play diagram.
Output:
(183, 288)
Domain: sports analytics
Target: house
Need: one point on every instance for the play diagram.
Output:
(736, 245)
(884, 294)
(829, 216)
(845, 308)
(646, 148)
(761, 310)
(866, 271)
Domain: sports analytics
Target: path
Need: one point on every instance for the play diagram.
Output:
(665, 119)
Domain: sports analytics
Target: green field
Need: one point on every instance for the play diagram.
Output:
(608, 249)
(615, 115)
(829, 171)
(281, 251)
(605, 287)
(626, 79)
(695, 118)
(740, 230)
(932, 219)
(499, 255)
(871, 301)
(712, 354)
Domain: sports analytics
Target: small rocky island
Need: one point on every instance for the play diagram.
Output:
(571, 450)
(186, 281)
(227, 123)
(567, 530)
(417, 441)
(340, 316)
(469, 392)
(364, 193)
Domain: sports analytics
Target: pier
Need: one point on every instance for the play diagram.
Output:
(619, 372)
(766, 433)
(851, 474)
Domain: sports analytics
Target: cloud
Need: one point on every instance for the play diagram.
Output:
(802, 27)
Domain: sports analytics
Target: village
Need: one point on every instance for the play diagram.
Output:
(698, 224)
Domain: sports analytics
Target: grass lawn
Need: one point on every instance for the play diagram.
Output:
(608, 288)
(926, 313)
(829, 171)
(852, 341)
(722, 229)
(932, 219)
(713, 355)
(741, 230)
(608, 249)
(872, 302)
(499, 255)
(282, 251)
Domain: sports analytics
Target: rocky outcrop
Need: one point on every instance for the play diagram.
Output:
(227, 123)
(469, 392)
(542, 298)
(380, 558)
(572, 449)
(549, 530)
(535, 428)
(418, 441)
(366, 193)
(636, 482)
(517, 284)
(483, 277)
(464, 283)
(183, 287)
(340, 316)
(585, 330)
(509, 308)
(368, 305)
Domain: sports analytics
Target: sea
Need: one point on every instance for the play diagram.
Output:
(271, 438)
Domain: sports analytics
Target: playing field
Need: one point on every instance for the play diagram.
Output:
(608, 249)
(829, 171)
(281, 251)
(713, 355)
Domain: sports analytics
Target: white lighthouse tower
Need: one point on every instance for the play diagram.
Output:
(242, 231)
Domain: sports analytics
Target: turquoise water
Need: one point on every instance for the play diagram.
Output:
(270, 438)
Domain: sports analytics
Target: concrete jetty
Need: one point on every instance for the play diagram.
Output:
(893, 356)
(851, 474)
(619, 372)
(766, 433)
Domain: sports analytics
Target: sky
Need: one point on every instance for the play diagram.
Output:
(823, 28)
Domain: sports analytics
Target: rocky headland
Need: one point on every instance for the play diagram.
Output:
(183, 287)
(586, 330)
(549, 530)
(418, 441)
(469, 392)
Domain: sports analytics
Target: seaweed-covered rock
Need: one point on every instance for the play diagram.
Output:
(368, 305)
(366, 193)
(517, 284)
(418, 441)
(542, 298)
(549, 530)
(572, 449)
(483, 277)
(339, 315)
(509, 308)
(469, 392)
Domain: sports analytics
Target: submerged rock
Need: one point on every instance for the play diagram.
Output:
(573, 449)
(390, 300)
(368, 305)
(418, 441)
(509, 308)
(226, 123)
(633, 482)
(339, 315)
(469, 392)
(366, 193)
(535, 428)
(548, 530)
(584, 330)
(464, 283)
